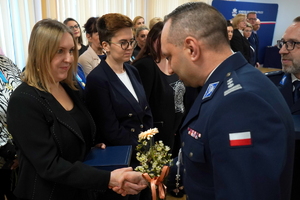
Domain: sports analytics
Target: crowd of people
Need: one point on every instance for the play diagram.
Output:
(232, 138)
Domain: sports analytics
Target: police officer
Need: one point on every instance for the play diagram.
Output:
(237, 139)
(287, 81)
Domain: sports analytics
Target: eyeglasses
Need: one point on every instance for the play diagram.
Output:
(73, 27)
(289, 45)
(252, 19)
(125, 44)
(248, 31)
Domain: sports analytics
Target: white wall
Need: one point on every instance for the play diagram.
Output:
(287, 11)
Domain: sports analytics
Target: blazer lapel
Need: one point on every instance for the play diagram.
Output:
(60, 113)
(118, 85)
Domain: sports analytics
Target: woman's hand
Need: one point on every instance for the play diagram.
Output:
(101, 145)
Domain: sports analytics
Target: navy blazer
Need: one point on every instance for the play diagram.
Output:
(284, 83)
(119, 117)
(51, 146)
(233, 101)
(254, 42)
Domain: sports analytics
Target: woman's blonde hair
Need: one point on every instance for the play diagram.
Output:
(135, 20)
(43, 45)
(153, 21)
(237, 19)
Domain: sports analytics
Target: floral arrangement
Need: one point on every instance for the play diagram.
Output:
(154, 158)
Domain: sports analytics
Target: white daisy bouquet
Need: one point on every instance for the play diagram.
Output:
(154, 158)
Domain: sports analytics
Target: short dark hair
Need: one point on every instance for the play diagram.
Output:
(153, 35)
(109, 24)
(229, 23)
(250, 13)
(297, 19)
(90, 25)
(199, 20)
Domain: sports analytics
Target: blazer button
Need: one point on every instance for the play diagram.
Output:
(191, 154)
(141, 126)
(182, 144)
(132, 130)
(130, 115)
(146, 107)
(184, 170)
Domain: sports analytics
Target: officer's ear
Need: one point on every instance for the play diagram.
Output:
(192, 48)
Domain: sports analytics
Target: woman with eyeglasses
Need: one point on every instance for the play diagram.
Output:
(114, 92)
(75, 27)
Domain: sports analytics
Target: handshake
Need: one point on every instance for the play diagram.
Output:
(126, 181)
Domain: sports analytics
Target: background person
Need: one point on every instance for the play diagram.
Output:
(154, 20)
(238, 41)
(228, 151)
(140, 37)
(287, 82)
(9, 81)
(253, 39)
(75, 27)
(247, 33)
(51, 127)
(91, 57)
(165, 94)
(114, 92)
(229, 30)
(137, 21)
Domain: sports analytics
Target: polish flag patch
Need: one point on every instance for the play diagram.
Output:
(240, 139)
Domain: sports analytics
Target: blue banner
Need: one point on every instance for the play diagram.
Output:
(267, 13)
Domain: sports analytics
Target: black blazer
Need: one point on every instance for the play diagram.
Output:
(240, 43)
(50, 147)
(119, 117)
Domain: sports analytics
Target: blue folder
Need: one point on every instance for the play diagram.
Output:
(110, 158)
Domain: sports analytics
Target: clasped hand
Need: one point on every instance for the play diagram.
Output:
(125, 181)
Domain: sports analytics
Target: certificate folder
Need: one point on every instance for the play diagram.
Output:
(110, 158)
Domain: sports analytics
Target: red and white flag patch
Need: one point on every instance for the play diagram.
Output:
(240, 139)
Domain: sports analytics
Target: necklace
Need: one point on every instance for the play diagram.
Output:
(3, 78)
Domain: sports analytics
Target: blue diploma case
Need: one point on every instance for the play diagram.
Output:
(110, 158)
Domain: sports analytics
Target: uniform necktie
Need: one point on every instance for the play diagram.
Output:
(296, 91)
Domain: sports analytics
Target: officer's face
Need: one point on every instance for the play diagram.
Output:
(290, 59)
(176, 55)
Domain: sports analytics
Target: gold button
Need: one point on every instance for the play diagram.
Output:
(132, 130)
(130, 115)
(191, 154)
(142, 126)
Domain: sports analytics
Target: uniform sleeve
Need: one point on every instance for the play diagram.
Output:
(244, 170)
(31, 131)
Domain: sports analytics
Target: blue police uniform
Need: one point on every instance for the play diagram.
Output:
(238, 138)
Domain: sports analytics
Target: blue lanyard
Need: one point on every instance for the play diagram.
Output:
(3, 77)
(80, 81)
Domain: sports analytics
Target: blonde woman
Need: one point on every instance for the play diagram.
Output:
(238, 41)
(51, 127)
